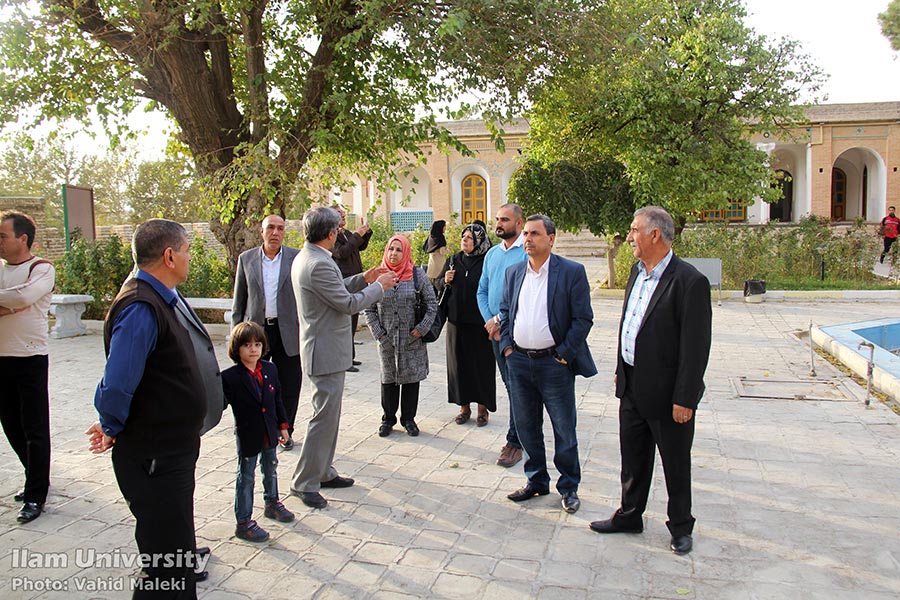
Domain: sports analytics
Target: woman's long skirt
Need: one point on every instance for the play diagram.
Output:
(471, 370)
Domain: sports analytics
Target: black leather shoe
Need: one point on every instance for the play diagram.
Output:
(20, 496)
(30, 511)
(384, 430)
(571, 503)
(353, 369)
(681, 544)
(338, 482)
(607, 526)
(313, 499)
(411, 428)
(527, 493)
(356, 363)
(201, 576)
(202, 551)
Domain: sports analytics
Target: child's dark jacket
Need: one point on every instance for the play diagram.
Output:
(257, 413)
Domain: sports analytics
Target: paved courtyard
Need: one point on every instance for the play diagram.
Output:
(794, 499)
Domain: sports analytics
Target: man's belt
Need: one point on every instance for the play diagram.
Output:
(535, 353)
(271, 320)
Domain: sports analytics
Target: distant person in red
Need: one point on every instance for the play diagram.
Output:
(889, 229)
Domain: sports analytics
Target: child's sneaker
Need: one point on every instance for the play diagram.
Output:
(276, 510)
(251, 532)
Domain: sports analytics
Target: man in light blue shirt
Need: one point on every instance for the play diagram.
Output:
(638, 301)
(510, 220)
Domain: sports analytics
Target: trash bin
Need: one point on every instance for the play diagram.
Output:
(754, 290)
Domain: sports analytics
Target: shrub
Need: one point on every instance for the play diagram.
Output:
(99, 268)
(786, 256)
(209, 276)
(95, 268)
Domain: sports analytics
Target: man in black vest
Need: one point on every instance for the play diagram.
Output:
(151, 403)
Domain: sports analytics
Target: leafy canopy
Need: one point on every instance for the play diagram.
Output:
(890, 24)
(671, 93)
(265, 92)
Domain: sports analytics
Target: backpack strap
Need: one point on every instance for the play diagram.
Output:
(39, 261)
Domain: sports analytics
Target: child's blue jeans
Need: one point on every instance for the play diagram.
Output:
(243, 492)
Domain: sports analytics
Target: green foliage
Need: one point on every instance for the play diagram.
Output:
(670, 91)
(99, 269)
(95, 268)
(624, 261)
(164, 189)
(584, 192)
(787, 257)
(265, 95)
(890, 24)
(209, 276)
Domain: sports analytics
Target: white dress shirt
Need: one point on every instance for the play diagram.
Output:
(271, 268)
(532, 326)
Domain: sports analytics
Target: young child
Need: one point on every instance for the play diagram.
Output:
(254, 393)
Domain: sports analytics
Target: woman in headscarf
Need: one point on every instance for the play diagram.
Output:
(471, 368)
(436, 248)
(392, 321)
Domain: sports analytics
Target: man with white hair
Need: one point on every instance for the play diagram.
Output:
(664, 339)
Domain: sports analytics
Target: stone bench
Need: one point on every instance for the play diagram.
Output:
(68, 308)
(212, 303)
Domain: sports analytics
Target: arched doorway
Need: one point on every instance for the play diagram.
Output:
(781, 210)
(474, 199)
(838, 194)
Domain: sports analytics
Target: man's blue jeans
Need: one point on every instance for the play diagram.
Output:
(537, 383)
(243, 492)
(512, 438)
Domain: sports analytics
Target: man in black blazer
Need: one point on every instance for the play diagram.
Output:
(545, 317)
(664, 340)
(263, 294)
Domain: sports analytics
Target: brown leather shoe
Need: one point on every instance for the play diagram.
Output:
(509, 456)
(464, 414)
(482, 419)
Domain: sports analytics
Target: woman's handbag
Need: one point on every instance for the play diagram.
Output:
(421, 309)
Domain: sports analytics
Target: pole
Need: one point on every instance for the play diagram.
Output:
(870, 368)
(812, 353)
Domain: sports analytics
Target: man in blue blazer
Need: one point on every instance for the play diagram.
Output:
(545, 317)
(664, 340)
(263, 294)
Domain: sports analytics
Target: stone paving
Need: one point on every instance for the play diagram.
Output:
(793, 499)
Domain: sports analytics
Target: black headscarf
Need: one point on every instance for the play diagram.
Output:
(482, 241)
(436, 238)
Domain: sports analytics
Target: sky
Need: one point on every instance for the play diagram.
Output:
(843, 38)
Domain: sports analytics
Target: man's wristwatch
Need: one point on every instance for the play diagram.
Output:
(497, 320)
(560, 358)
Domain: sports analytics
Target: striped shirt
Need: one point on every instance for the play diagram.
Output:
(644, 286)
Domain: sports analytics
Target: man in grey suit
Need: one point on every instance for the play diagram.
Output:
(263, 294)
(325, 302)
